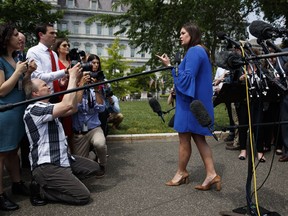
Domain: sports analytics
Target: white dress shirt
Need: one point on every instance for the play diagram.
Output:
(41, 56)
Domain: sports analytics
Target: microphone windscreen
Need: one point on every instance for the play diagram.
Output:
(221, 35)
(260, 29)
(229, 60)
(155, 105)
(221, 59)
(200, 113)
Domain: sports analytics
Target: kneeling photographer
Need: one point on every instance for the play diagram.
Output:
(97, 73)
(87, 131)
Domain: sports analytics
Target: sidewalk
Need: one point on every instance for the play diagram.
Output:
(138, 168)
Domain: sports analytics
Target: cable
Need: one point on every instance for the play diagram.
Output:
(272, 161)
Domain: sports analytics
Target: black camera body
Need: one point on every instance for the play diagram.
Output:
(75, 57)
(99, 75)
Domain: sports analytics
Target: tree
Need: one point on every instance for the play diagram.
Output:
(26, 14)
(115, 66)
(273, 10)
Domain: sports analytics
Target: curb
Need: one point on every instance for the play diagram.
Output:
(154, 136)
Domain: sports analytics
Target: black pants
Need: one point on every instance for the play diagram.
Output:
(62, 184)
(256, 117)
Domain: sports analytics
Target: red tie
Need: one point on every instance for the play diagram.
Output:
(53, 66)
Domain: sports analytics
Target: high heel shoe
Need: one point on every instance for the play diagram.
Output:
(216, 180)
(183, 180)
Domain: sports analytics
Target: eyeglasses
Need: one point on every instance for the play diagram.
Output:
(65, 45)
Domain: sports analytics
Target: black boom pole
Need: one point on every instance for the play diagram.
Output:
(12, 105)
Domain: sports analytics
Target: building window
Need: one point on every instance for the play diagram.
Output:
(75, 45)
(64, 26)
(122, 51)
(99, 29)
(132, 53)
(88, 27)
(76, 27)
(110, 31)
(88, 48)
(94, 4)
(99, 49)
(142, 54)
(70, 3)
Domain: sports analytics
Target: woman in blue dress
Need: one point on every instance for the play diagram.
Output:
(193, 81)
(11, 121)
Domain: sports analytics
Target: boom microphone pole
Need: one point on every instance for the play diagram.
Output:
(12, 105)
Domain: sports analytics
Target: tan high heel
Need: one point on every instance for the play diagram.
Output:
(216, 180)
(183, 180)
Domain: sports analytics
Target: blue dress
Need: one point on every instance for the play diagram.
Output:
(11, 121)
(194, 82)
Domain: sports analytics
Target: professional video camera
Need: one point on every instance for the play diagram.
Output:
(75, 57)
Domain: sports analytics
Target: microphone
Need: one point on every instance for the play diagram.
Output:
(177, 62)
(223, 36)
(229, 60)
(264, 31)
(202, 116)
(156, 107)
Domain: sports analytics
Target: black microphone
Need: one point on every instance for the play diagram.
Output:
(202, 116)
(262, 30)
(229, 60)
(177, 62)
(156, 107)
(223, 36)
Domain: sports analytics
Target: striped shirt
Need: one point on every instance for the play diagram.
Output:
(46, 136)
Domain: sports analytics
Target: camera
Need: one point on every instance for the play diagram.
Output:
(75, 56)
(99, 75)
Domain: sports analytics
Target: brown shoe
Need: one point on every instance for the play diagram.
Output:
(283, 158)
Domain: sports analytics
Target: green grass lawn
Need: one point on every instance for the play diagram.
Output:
(139, 118)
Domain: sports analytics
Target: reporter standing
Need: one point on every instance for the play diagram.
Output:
(193, 82)
(62, 48)
(12, 76)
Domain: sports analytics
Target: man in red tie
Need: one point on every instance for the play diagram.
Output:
(46, 59)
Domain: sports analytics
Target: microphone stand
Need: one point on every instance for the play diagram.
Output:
(250, 208)
(12, 105)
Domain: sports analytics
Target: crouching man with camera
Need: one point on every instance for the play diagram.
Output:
(115, 117)
(56, 171)
(87, 131)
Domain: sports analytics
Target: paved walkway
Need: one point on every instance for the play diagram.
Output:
(138, 168)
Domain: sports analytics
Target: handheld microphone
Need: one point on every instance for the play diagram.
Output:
(177, 62)
(156, 107)
(223, 36)
(202, 116)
